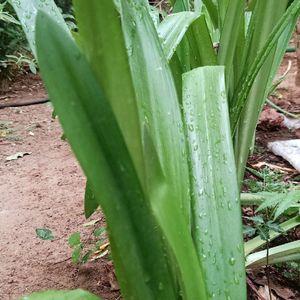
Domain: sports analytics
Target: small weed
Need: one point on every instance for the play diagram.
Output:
(83, 252)
(291, 270)
(261, 227)
(44, 234)
(7, 132)
(270, 181)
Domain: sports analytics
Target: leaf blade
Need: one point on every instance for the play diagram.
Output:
(215, 195)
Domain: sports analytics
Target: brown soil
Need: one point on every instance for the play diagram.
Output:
(42, 190)
(45, 190)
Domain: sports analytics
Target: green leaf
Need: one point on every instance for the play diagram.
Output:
(44, 234)
(257, 220)
(282, 201)
(89, 123)
(292, 197)
(61, 295)
(27, 12)
(275, 227)
(264, 233)
(90, 202)
(215, 195)
(76, 254)
(248, 230)
(212, 10)
(106, 52)
(163, 130)
(86, 257)
(99, 231)
(74, 239)
(181, 5)
(283, 253)
(256, 79)
(172, 29)
(233, 16)
(201, 48)
(158, 100)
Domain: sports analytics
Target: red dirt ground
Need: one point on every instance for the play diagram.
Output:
(42, 190)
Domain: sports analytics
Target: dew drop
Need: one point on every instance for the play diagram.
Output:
(232, 261)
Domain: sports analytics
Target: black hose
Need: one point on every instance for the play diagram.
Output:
(27, 103)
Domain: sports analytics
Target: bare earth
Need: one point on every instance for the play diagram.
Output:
(42, 190)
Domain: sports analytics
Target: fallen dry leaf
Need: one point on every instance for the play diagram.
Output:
(263, 292)
(17, 155)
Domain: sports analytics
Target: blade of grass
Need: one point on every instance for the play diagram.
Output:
(215, 197)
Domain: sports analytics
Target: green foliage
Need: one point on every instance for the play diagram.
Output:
(280, 203)
(74, 239)
(93, 249)
(44, 234)
(12, 38)
(268, 181)
(146, 115)
(262, 227)
(290, 270)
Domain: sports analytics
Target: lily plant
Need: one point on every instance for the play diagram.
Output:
(161, 113)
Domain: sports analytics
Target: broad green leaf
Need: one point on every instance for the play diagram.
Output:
(90, 202)
(223, 9)
(201, 48)
(212, 11)
(180, 5)
(215, 195)
(247, 80)
(163, 127)
(248, 230)
(257, 242)
(61, 295)
(265, 17)
(282, 201)
(96, 140)
(106, 52)
(198, 6)
(74, 239)
(233, 13)
(76, 254)
(283, 253)
(172, 29)
(44, 234)
(27, 11)
(158, 100)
